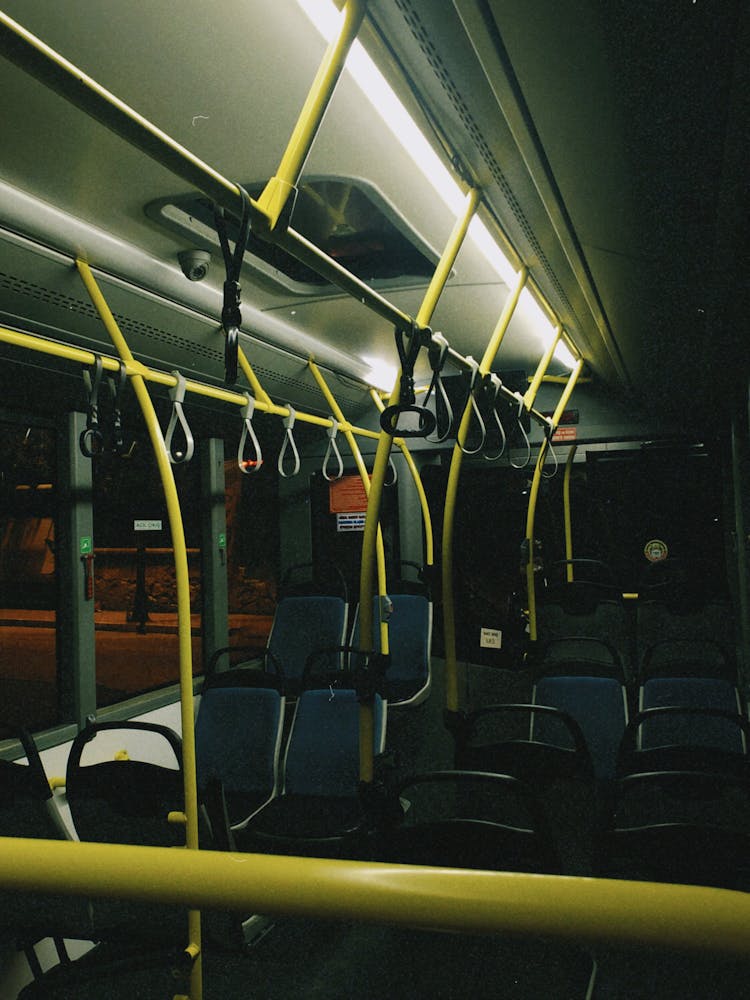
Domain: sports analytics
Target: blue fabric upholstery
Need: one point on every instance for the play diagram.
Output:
(323, 752)
(301, 626)
(690, 692)
(237, 740)
(597, 704)
(409, 642)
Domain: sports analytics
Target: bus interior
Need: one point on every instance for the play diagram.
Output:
(373, 495)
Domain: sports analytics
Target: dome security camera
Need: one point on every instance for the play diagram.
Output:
(194, 264)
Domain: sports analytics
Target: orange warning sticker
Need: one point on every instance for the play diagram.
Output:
(347, 496)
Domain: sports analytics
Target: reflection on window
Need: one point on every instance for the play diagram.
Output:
(28, 588)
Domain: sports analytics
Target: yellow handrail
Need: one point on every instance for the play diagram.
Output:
(183, 594)
(533, 494)
(584, 910)
(451, 493)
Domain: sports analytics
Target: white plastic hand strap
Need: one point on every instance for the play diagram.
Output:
(331, 432)
(472, 400)
(249, 465)
(496, 384)
(522, 429)
(288, 423)
(177, 395)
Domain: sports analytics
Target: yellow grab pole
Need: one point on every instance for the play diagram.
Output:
(346, 430)
(419, 486)
(183, 595)
(451, 492)
(280, 187)
(541, 369)
(574, 908)
(567, 514)
(260, 394)
(534, 493)
(382, 454)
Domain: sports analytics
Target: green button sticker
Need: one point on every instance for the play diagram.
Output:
(86, 546)
(222, 540)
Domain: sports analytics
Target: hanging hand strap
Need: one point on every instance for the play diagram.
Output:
(472, 400)
(288, 423)
(496, 384)
(437, 352)
(249, 465)
(177, 395)
(91, 441)
(117, 387)
(331, 433)
(548, 433)
(231, 316)
(407, 399)
(394, 473)
(522, 429)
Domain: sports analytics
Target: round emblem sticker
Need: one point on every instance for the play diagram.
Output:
(656, 550)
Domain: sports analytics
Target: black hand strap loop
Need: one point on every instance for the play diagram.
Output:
(408, 352)
(231, 316)
(496, 383)
(522, 429)
(249, 465)
(549, 432)
(116, 388)
(177, 395)
(472, 401)
(437, 352)
(91, 441)
(331, 433)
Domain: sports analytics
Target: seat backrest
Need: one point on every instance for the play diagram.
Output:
(466, 819)
(691, 692)
(27, 810)
(322, 755)
(301, 626)
(599, 706)
(409, 674)
(238, 734)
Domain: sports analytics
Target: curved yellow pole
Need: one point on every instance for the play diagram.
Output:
(591, 910)
(414, 471)
(534, 493)
(183, 595)
(451, 492)
(567, 513)
(383, 451)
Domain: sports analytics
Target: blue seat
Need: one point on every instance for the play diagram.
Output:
(301, 626)
(319, 807)
(409, 674)
(238, 734)
(600, 707)
(691, 692)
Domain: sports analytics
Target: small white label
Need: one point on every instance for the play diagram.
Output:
(491, 638)
(350, 522)
(142, 525)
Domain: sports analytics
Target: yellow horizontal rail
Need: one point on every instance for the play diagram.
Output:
(581, 909)
(54, 348)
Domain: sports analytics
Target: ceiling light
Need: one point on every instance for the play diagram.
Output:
(382, 374)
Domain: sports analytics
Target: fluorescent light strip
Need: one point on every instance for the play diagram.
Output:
(382, 374)
(327, 19)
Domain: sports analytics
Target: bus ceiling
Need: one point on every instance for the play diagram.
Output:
(609, 153)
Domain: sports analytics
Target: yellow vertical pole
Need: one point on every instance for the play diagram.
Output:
(183, 596)
(380, 465)
(567, 514)
(278, 190)
(451, 492)
(534, 493)
(541, 369)
(351, 440)
(418, 485)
